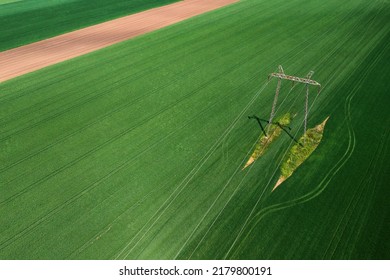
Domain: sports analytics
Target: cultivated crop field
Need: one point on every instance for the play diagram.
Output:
(27, 21)
(136, 151)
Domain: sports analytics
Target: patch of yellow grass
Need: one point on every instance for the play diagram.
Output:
(298, 154)
(264, 142)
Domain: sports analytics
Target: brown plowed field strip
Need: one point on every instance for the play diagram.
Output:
(28, 58)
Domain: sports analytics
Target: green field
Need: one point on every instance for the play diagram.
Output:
(27, 21)
(136, 151)
(2, 2)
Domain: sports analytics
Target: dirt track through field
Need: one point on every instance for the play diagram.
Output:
(28, 58)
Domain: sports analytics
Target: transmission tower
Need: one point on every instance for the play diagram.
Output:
(307, 80)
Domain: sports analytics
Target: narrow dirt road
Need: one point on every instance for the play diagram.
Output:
(28, 58)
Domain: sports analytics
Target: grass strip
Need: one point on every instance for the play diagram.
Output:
(299, 153)
(265, 141)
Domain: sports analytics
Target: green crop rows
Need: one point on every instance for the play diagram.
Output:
(27, 21)
(136, 151)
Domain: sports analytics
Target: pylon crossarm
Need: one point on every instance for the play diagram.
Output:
(294, 79)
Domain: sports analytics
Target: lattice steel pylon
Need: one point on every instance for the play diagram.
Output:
(307, 80)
